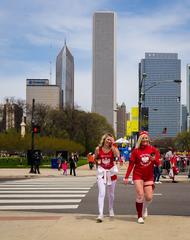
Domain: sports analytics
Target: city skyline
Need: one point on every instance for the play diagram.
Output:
(33, 33)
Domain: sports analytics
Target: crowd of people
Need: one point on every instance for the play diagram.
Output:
(67, 162)
(146, 165)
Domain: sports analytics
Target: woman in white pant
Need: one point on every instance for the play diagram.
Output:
(105, 154)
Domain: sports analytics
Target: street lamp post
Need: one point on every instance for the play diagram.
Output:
(142, 94)
(144, 75)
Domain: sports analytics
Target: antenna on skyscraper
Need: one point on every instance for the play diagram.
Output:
(50, 66)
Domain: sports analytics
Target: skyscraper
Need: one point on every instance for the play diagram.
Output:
(104, 66)
(188, 96)
(12, 115)
(183, 118)
(121, 120)
(65, 77)
(162, 93)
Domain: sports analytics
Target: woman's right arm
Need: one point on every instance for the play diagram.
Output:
(130, 167)
(96, 156)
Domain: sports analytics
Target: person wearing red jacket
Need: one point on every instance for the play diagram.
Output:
(142, 161)
(173, 167)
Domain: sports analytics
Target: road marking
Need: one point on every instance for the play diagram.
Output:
(33, 207)
(157, 194)
(41, 188)
(38, 191)
(41, 201)
(41, 195)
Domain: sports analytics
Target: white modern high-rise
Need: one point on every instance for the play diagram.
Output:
(188, 96)
(104, 66)
(65, 77)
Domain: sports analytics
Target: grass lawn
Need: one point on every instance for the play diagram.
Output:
(21, 162)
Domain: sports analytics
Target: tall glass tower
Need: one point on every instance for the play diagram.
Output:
(162, 93)
(65, 77)
(188, 96)
(104, 66)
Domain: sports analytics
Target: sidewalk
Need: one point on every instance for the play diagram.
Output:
(80, 171)
(17, 225)
(43, 226)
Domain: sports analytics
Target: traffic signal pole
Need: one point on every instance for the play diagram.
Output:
(32, 123)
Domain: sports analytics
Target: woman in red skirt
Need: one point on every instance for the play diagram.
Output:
(142, 161)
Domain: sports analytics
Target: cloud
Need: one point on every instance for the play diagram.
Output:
(40, 24)
(83, 89)
(153, 33)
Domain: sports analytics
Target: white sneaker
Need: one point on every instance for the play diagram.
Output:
(145, 214)
(111, 213)
(160, 182)
(156, 182)
(99, 219)
(140, 220)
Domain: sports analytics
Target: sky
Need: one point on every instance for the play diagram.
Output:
(33, 32)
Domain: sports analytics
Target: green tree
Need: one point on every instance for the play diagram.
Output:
(72, 124)
(164, 143)
(182, 141)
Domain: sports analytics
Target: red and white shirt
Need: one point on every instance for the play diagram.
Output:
(107, 159)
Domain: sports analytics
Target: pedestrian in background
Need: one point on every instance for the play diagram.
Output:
(168, 157)
(173, 167)
(72, 164)
(142, 161)
(76, 157)
(158, 171)
(64, 167)
(37, 157)
(59, 161)
(105, 155)
(90, 158)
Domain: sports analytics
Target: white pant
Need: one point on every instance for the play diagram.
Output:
(102, 193)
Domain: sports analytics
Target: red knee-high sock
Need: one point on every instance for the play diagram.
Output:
(139, 207)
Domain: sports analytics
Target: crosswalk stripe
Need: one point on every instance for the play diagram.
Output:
(42, 188)
(44, 193)
(41, 195)
(50, 182)
(40, 201)
(38, 191)
(35, 207)
(49, 185)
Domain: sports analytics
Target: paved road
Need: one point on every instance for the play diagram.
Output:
(45, 194)
(169, 199)
(79, 195)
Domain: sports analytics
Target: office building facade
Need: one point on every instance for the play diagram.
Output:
(65, 77)
(11, 116)
(121, 120)
(104, 66)
(162, 94)
(188, 96)
(183, 118)
(48, 95)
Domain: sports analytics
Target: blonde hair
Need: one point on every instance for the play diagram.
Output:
(102, 141)
(138, 144)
